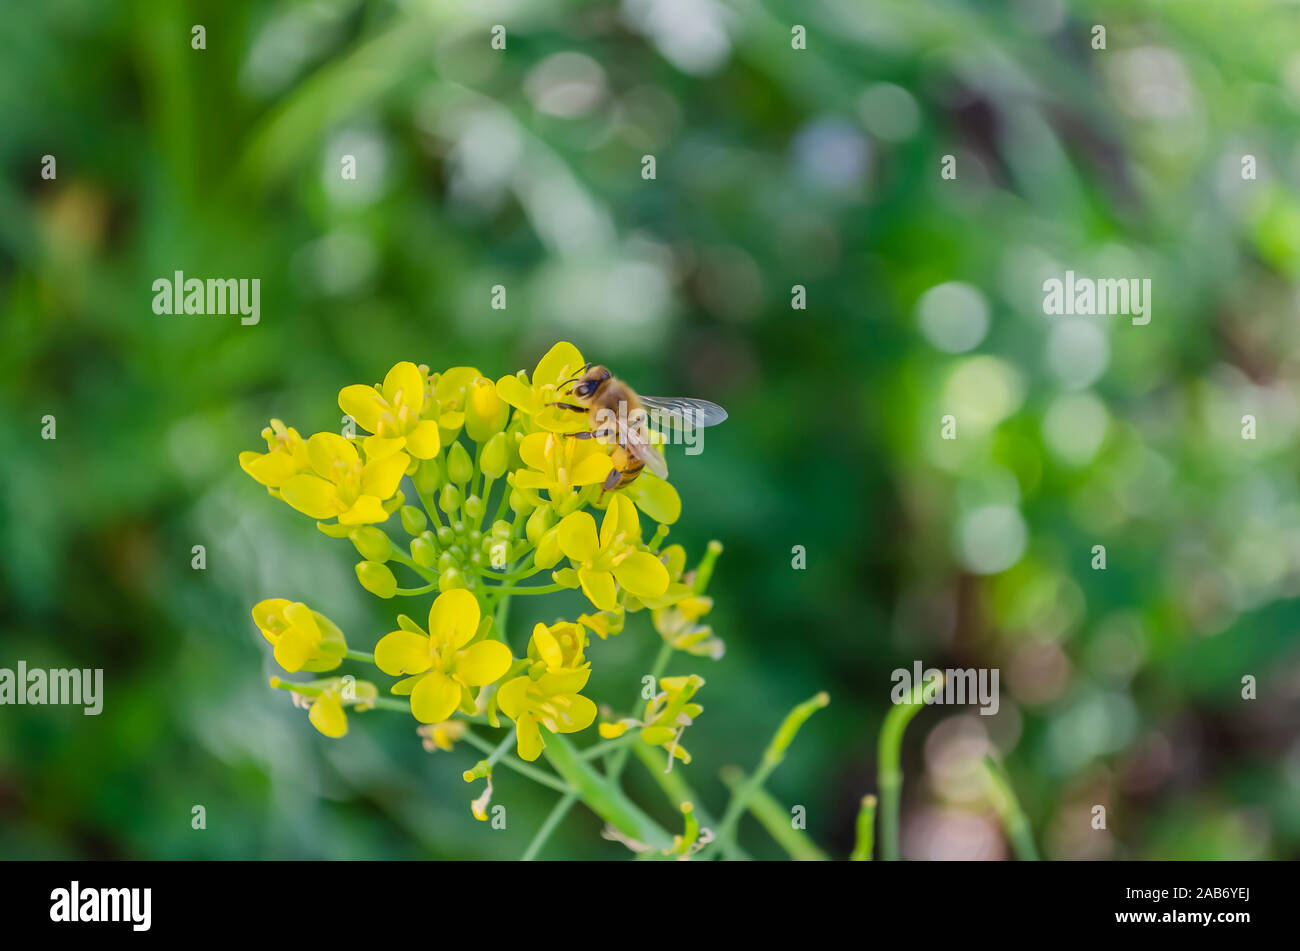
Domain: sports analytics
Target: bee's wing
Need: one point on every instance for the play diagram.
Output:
(638, 446)
(684, 410)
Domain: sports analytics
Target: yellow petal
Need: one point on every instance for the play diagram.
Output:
(578, 714)
(380, 477)
(272, 469)
(265, 611)
(529, 740)
(577, 536)
(548, 648)
(404, 386)
(454, 617)
(377, 447)
(537, 450)
(363, 404)
(366, 510)
(293, 649)
(656, 498)
(435, 698)
(299, 615)
(326, 449)
(592, 470)
(512, 697)
(424, 441)
(612, 731)
(311, 495)
(483, 663)
(563, 681)
(643, 574)
(530, 479)
(517, 393)
(402, 652)
(561, 362)
(598, 586)
(327, 715)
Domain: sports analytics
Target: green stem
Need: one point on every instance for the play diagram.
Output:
(889, 757)
(619, 759)
(360, 655)
(866, 830)
(415, 566)
(775, 818)
(1008, 808)
(676, 788)
(607, 746)
(552, 821)
(414, 592)
(603, 797)
(519, 766)
(772, 758)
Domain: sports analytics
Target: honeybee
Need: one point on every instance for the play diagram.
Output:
(619, 414)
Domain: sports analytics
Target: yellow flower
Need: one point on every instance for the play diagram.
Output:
(558, 647)
(325, 701)
(556, 463)
(444, 663)
(612, 556)
(561, 363)
(442, 736)
(448, 399)
(677, 625)
(341, 485)
(666, 716)
(552, 700)
(656, 497)
(303, 639)
(392, 413)
(285, 458)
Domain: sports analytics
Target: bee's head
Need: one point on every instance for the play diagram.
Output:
(587, 384)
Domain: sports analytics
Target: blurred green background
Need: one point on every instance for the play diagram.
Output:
(775, 167)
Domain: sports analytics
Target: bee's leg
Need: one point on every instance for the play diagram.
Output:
(611, 480)
(576, 409)
(598, 434)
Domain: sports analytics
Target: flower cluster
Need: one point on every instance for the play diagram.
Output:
(504, 486)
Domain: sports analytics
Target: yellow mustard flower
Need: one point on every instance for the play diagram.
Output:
(531, 395)
(678, 625)
(559, 646)
(442, 665)
(392, 413)
(666, 715)
(612, 556)
(341, 485)
(448, 398)
(303, 639)
(325, 701)
(552, 700)
(557, 463)
(441, 736)
(286, 456)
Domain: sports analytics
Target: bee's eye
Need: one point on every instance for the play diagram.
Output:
(584, 389)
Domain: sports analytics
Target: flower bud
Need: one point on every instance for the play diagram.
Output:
(424, 552)
(376, 578)
(495, 459)
(460, 468)
(446, 561)
(445, 535)
(451, 579)
(429, 476)
(413, 520)
(449, 500)
(538, 523)
(485, 411)
(373, 544)
(521, 502)
(474, 509)
(548, 550)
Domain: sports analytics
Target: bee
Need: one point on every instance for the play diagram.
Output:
(619, 415)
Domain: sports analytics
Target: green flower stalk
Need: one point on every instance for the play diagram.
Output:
(890, 771)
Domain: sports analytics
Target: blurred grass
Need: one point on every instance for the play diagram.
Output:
(523, 168)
